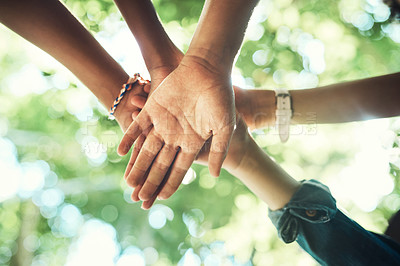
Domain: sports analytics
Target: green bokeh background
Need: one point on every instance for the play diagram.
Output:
(218, 220)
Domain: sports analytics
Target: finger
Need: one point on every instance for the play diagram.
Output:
(139, 88)
(135, 152)
(202, 156)
(179, 168)
(139, 101)
(135, 193)
(136, 190)
(218, 152)
(158, 170)
(147, 88)
(151, 146)
(147, 204)
(141, 123)
(135, 114)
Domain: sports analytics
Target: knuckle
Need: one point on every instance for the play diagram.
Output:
(156, 136)
(170, 147)
(180, 171)
(160, 166)
(138, 170)
(125, 145)
(190, 147)
(148, 152)
(138, 146)
(152, 146)
(153, 184)
(148, 189)
(135, 177)
(132, 182)
(167, 191)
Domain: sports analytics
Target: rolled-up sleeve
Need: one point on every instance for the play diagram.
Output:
(312, 219)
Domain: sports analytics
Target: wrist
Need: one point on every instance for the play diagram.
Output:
(263, 110)
(167, 57)
(108, 86)
(219, 63)
(123, 108)
(256, 106)
(265, 103)
(245, 165)
(123, 118)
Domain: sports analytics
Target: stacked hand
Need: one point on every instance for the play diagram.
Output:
(191, 105)
(246, 111)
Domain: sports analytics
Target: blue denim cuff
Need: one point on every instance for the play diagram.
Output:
(312, 203)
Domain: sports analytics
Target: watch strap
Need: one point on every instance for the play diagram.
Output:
(283, 113)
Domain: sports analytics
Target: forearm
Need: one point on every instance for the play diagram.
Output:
(350, 101)
(220, 32)
(51, 27)
(157, 48)
(265, 178)
(338, 103)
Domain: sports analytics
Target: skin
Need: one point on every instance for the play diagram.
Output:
(173, 119)
(50, 26)
(100, 73)
(248, 162)
(358, 100)
(257, 108)
(344, 102)
(160, 54)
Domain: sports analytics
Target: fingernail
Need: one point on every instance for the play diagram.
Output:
(161, 197)
(120, 152)
(134, 199)
(143, 197)
(215, 174)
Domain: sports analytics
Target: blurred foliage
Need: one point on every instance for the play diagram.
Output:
(59, 186)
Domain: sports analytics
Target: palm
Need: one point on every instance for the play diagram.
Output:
(191, 105)
(236, 149)
(192, 110)
(159, 72)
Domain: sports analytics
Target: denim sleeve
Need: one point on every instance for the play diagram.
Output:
(313, 220)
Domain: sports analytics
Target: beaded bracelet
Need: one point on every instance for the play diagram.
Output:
(126, 87)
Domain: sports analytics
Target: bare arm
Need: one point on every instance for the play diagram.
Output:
(265, 178)
(159, 52)
(248, 162)
(252, 166)
(220, 33)
(200, 82)
(357, 100)
(49, 25)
